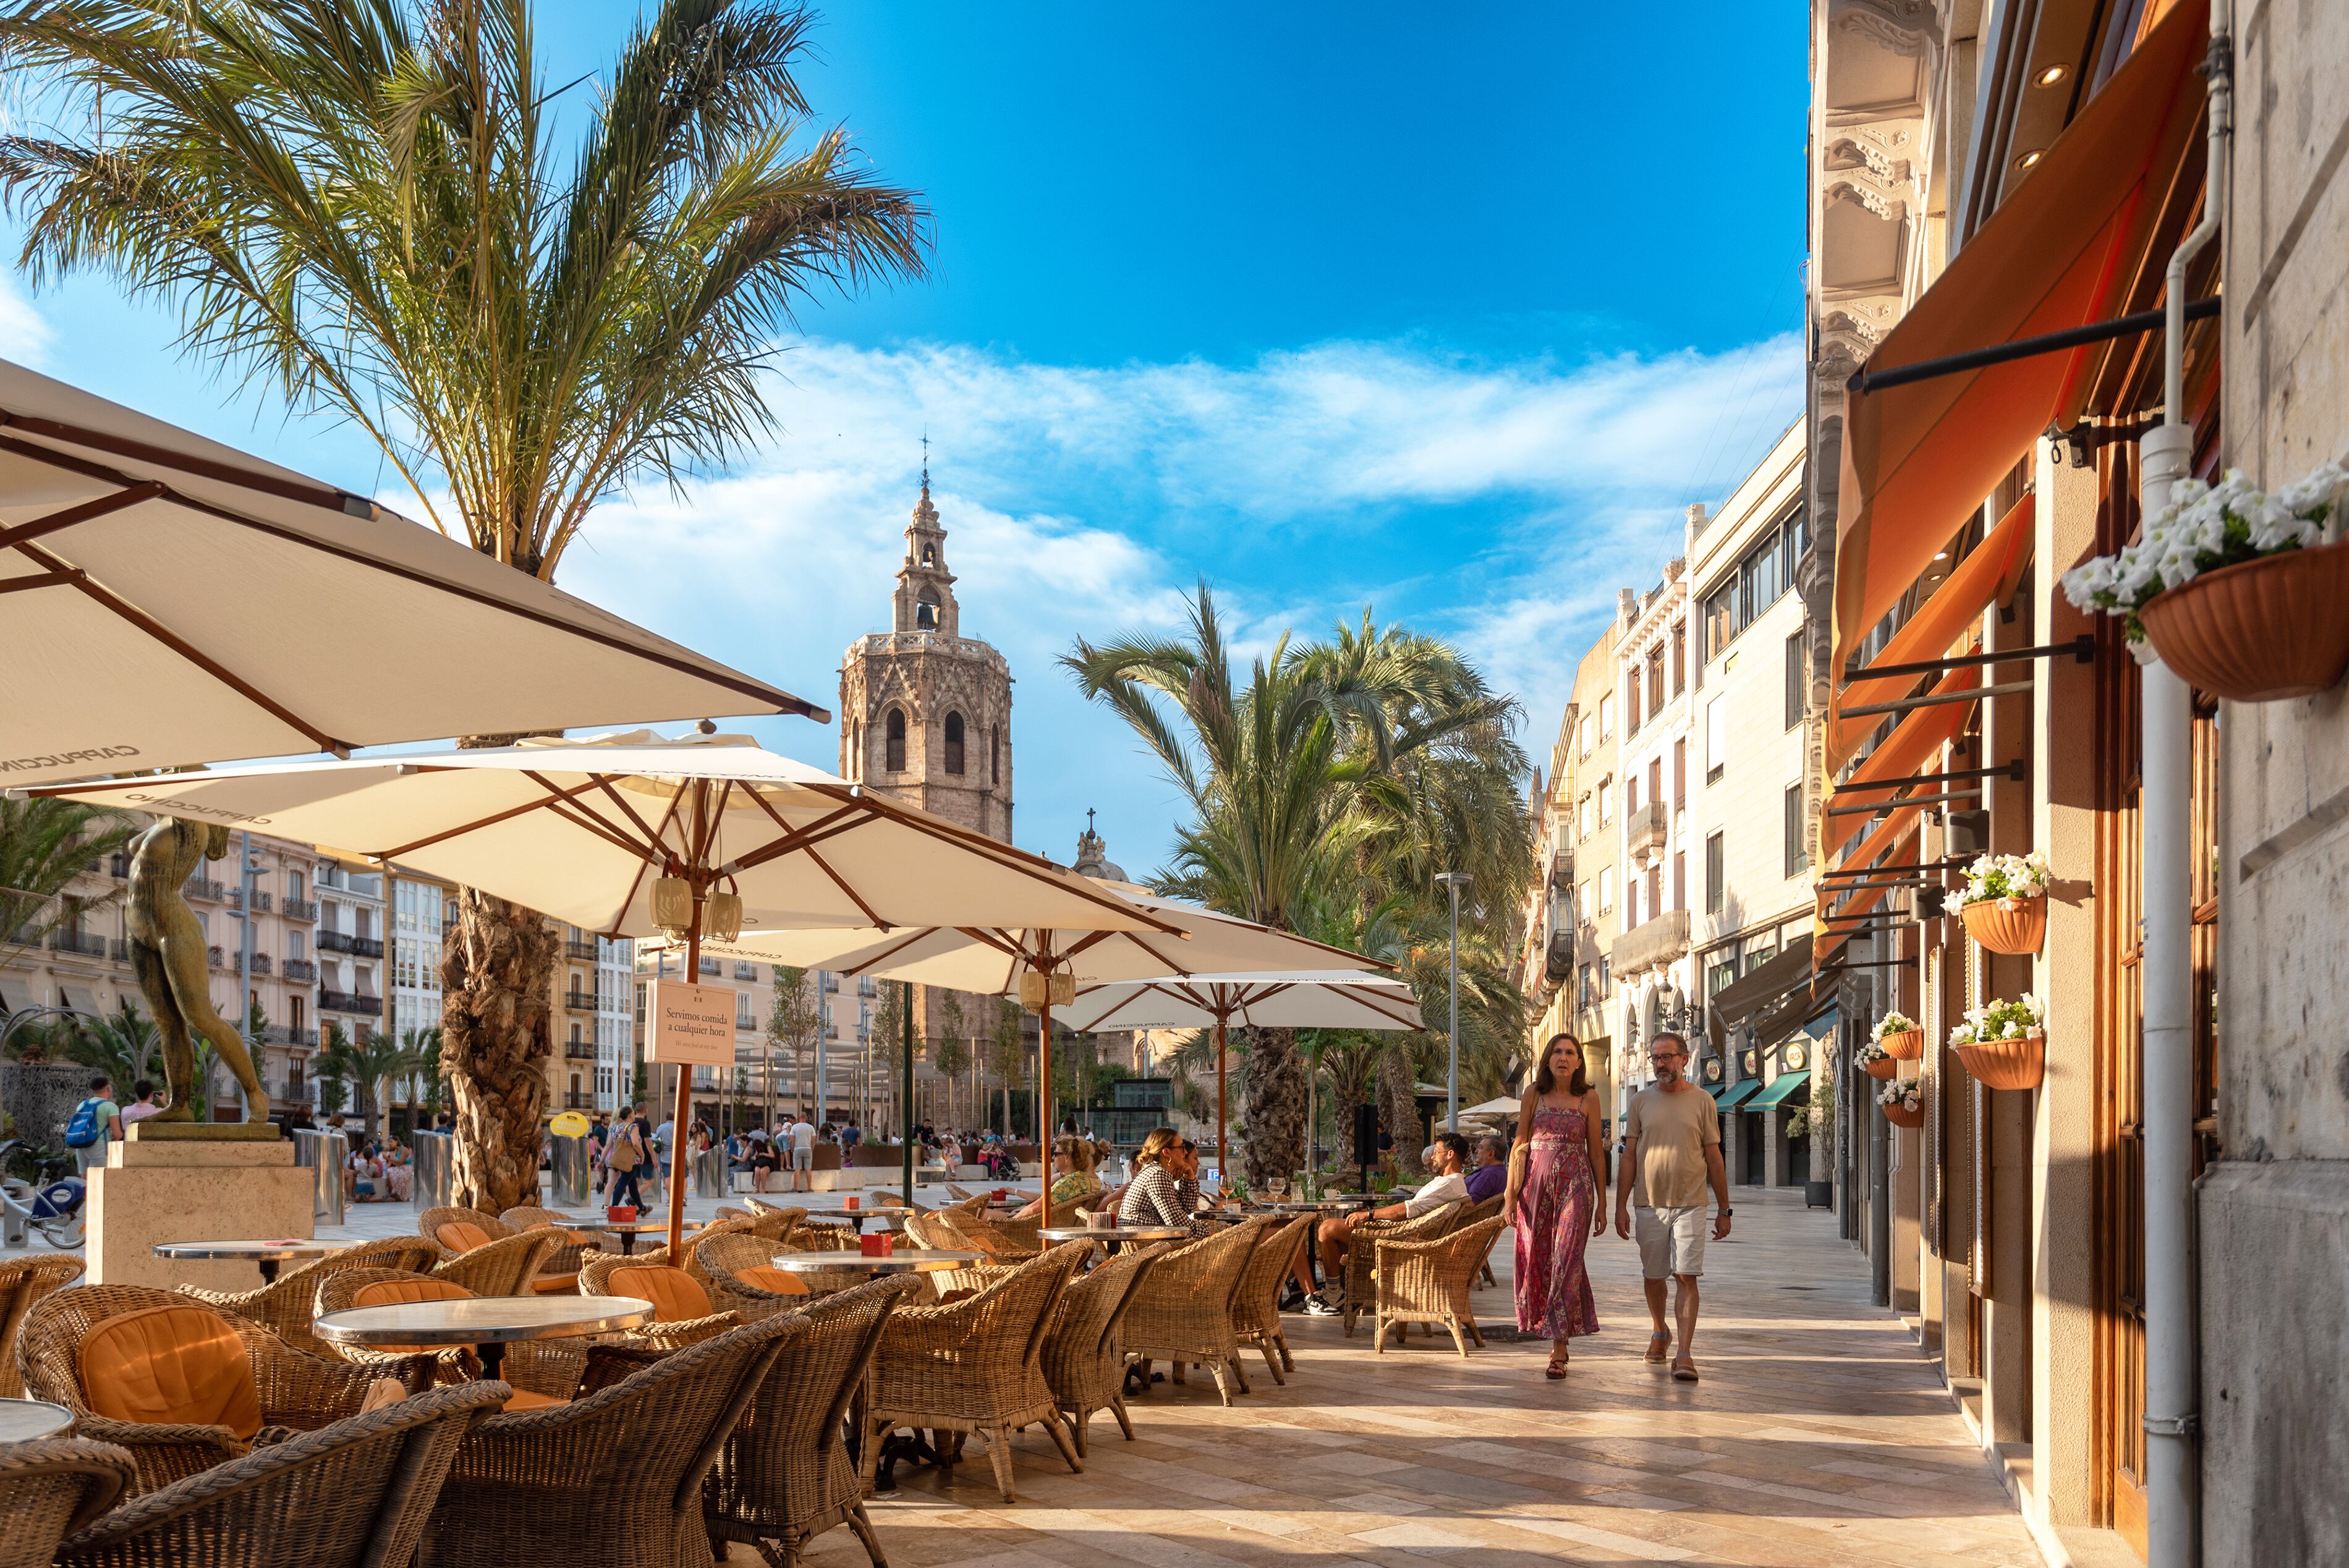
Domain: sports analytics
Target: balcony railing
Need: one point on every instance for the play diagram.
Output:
(349, 1002)
(586, 949)
(344, 942)
(578, 1100)
(829, 983)
(1646, 828)
(262, 902)
(579, 1001)
(261, 963)
(746, 971)
(579, 1050)
(78, 941)
(290, 1035)
(1652, 944)
(710, 966)
(1557, 962)
(213, 956)
(300, 908)
(119, 950)
(301, 969)
(202, 888)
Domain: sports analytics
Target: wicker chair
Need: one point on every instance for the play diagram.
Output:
(429, 1223)
(1022, 1233)
(974, 1366)
(51, 1488)
(543, 1369)
(295, 1390)
(506, 1267)
(727, 1260)
(937, 1231)
(1473, 1213)
(284, 1307)
(559, 1274)
(1084, 1355)
(614, 1476)
(784, 1476)
(1185, 1310)
(352, 1495)
(1427, 1282)
(1255, 1310)
(662, 1334)
(22, 1282)
(1361, 1253)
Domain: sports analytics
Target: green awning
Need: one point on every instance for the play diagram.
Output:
(1727, 1098)
(1782, 1087)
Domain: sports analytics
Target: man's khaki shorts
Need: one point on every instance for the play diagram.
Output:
(1672, 1241)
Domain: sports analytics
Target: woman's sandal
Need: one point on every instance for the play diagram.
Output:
(1655, 1357)
(1557, 1369)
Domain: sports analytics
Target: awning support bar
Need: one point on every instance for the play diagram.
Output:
(1953, 862)
(1877, 808)
(2083, 649)
(1930, 699)
(2026, 347)
(2015, 772)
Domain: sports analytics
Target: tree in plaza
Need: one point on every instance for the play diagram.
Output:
(884, 1042)
(43, 846)
(952, 1052)
(122, 1045)
(1326, 790)
(1007, 1052)
(365, 1064)
(360, 205)
(793, 1022)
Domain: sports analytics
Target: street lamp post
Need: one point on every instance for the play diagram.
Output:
(1452, 882)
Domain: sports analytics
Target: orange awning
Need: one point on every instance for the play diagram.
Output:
(1914, 741)
(1919, 458)
(1980, 580)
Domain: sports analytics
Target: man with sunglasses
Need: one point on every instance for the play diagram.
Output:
(1672, 1152)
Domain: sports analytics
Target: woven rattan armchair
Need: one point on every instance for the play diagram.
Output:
(295, 1390)
(725, 1258)
(784, 1476)
(1185, 1310)
(284, 1307)
(559, 1274)
(352, 1495)
(595, 1279)
(1084, 1354)
(975, 1366)
(1427, 1282)
(429, 1223)
(1474, 1213)
(507, 1266)
(1361, 1253)
(1255, 1310)
(613, 1478)
(548, 1368)
(1023, 1233)
(22, 1282)
(53, 1487)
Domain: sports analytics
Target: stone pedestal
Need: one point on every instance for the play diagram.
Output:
(185, 1187)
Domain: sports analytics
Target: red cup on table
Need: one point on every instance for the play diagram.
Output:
(852, 1202)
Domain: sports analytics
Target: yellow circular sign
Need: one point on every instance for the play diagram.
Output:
(570, 1124)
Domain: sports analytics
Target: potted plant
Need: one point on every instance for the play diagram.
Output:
(1874, 1061)
(1903, 1102)
(1899, 1036)
(2004, 1044)
(2004, 901)
(1816, 1122)
(2238, 592)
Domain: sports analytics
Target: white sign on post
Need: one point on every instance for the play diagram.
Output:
(689, 1025)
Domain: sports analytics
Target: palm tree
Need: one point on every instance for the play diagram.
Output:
(43, 846)
(122, 1045)
(359, 205)
(365, 1064)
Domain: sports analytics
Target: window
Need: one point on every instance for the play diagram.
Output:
(896, 760)
(1605, 789)
(295, 941)
(1606, 889)
(1797, 859)
(1680, 771)
(1582, 734)
(1715, 875)
(954, 743)
(1632, 796)
(1680, 879)
(294, 884)
(1796, 685)
(1631, 916)
(1656, 678)
(1631, 704)
(1680, 657)
(1655, 778)
(1716, 740)
(1654, 901)
(1583, 900)
(995, 754)
(1606, 717)
(1767, 572)
(1582, 819)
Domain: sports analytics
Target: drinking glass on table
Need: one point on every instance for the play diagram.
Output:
(1278, 1186)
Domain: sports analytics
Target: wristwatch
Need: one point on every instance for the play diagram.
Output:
(1724, 1213)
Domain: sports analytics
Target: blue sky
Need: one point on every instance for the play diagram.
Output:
(1447, 311)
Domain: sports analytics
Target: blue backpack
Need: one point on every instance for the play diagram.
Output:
(83, 1130)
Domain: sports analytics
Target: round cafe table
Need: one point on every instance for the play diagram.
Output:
(1112, 1236)
(627, 1229)
(267, 1255)
(22, 1420)
(902, 1260)
(896, 1217)
(488, 1323)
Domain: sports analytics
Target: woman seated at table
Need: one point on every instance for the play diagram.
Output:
(763, 1160)
(398, 1172)
(1165, 1186)
(1072, 1175)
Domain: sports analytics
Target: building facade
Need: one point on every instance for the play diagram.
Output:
(1649, 959)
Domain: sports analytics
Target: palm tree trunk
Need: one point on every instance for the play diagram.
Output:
(496, 1034)
(1272, 1107)
(1398, 1106)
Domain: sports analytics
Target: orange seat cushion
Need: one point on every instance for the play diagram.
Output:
(170, 1365)
(781, 1282)
(676, 1294)
(526, 1399)
(555, 1285)
(410, 1287)
(461, 1235)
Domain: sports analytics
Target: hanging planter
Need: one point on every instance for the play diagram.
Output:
(2004, 1044)
(2013, 1064)
(1899, 1036)
(1903, 1103)
(1875, 1061)
(2004, 901)
(2236, 591)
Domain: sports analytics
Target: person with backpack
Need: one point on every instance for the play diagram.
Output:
(96, 1122)
(630, 1151)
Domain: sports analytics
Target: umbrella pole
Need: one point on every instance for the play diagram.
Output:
(906, 1079)
(1044, 1132)
(677, 1140)
(1223, 1159)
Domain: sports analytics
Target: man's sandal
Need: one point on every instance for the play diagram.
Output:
(1684, 1374)
(1656, 1357)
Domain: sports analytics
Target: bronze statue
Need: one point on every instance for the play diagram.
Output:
(167, 951)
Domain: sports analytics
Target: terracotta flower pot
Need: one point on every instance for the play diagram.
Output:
(2260, 630)
(1901, 1116)
(1883, 1067)
(2007, 924)
(1905, 1045)
(2006, 1064)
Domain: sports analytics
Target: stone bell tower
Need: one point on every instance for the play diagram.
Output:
(924, 712)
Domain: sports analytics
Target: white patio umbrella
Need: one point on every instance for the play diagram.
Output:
(1034, 962)
(637, 835)
(1308, 999)
(173, 601)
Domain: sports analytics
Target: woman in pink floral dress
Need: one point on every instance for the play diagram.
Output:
(1557, 1198)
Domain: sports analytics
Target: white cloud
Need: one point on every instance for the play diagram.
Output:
(1502, 504)
(24, 333)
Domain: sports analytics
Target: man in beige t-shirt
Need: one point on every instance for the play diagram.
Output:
(1671, 1153)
